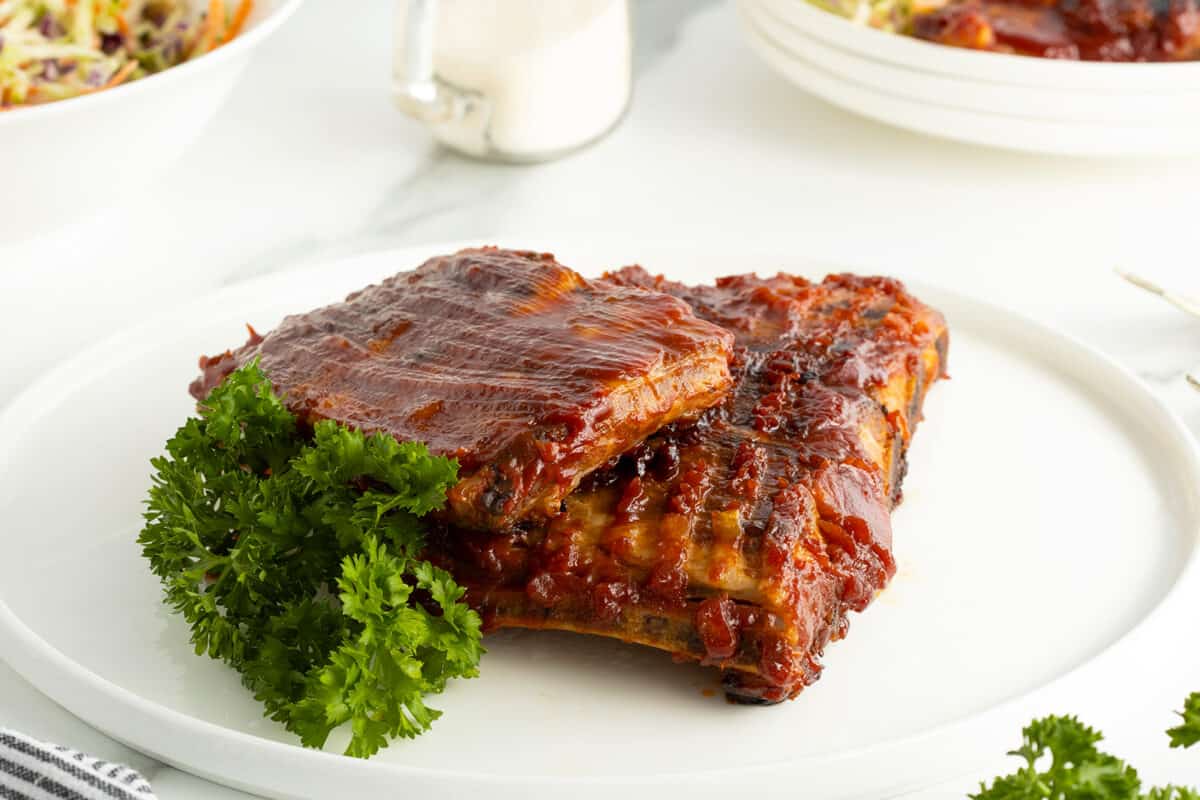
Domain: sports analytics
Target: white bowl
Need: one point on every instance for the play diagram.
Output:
(995, 130)
(1035, 102)
(983, 66)
(65, 159)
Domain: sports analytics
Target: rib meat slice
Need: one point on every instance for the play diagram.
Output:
(744, 539)
(526, 372)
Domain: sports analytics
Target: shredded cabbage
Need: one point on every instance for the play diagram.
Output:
(894, 16)
(54, 49)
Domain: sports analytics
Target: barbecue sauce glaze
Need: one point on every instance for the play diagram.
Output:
(744, 538)
(527, 373)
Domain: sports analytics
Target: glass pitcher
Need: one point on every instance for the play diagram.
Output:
(513, 80)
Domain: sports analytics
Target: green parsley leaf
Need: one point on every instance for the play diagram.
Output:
(376, 681)
(1172, 793)
(1187, 733)
(1076, 769)
(1062, 762)
(295, 560)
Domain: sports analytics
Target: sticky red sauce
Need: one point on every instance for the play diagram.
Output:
(716, 625)
(527, 373)
(1089, 30)
(744, 539)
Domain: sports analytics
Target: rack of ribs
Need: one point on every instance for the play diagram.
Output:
(741, 540)
(528, 374)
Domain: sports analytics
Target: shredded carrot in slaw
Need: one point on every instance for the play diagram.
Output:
(214, 25)
(119, 77)
(239, 19)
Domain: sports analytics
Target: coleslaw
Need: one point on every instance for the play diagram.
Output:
(55, 49)
(893, 16)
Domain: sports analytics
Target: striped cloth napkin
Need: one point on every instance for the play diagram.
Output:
(33, 770)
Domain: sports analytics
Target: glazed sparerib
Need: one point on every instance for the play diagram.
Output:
(527, 373)
(742, 540)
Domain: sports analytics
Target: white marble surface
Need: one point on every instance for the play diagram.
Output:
(309, 161)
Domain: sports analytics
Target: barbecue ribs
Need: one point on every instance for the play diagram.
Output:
(742, 540)
(528, 374)
(1088, 30)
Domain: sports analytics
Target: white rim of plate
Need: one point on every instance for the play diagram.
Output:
(46, 667)
(912, 53)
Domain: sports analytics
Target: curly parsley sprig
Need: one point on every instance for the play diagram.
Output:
(295, 560)
(1062, 762)
(1187, 733)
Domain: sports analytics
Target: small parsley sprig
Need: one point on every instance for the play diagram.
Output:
(1062, 762)
(1187, 733)
(295, 559)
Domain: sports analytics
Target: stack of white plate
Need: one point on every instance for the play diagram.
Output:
(1017, 102)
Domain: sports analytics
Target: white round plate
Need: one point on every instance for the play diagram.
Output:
(1023, 133)
(907, 51)
(952, 91)
(1046, 549)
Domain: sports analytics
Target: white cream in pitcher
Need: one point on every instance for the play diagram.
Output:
(533, 79)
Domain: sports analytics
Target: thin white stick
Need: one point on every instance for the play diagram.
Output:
(1179, 301)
